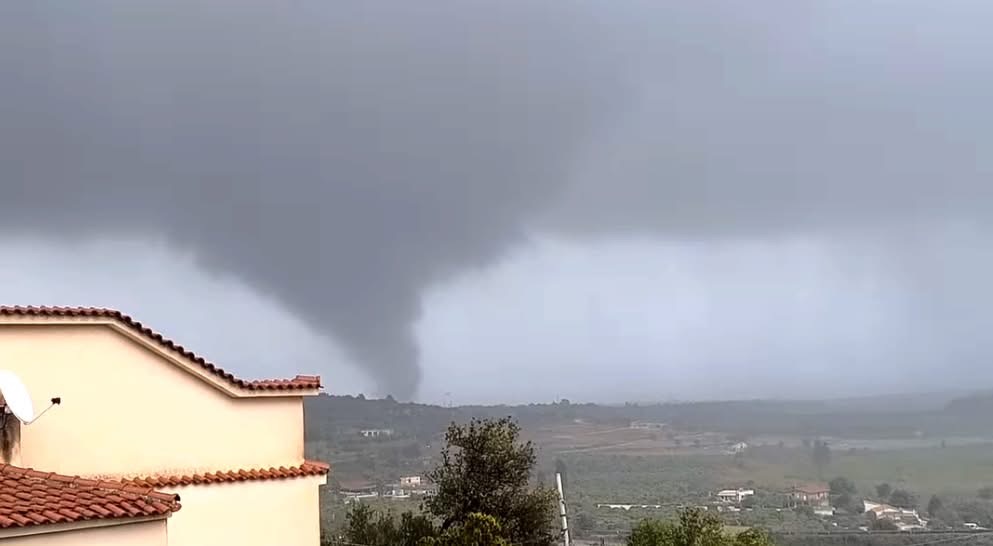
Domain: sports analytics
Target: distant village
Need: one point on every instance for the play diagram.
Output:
(407, 487)
(816, 498)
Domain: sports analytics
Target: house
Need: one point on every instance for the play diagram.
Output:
(417, 486)
(356, 487)
(809, 494)
(376, 432)
(630, 506)
(737, 448)
(156, 426)
(394, 491)
(356, 491)
(905, 519)
(647, 425)
(734, 495)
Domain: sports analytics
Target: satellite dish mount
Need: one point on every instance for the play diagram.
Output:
(15, 400)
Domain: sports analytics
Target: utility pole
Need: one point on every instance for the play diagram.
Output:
(565, 519)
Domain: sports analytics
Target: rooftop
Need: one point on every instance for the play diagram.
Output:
(29, 497)
(308, 468)
(725, 492)
(812, 488)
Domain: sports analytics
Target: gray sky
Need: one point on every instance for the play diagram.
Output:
(514, 200)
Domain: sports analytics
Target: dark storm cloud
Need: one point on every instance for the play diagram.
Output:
(343, 156)
(338, 156)
(815, 116)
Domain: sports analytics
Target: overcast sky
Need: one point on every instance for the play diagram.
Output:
(514, 200)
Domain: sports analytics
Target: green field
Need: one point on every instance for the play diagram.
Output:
(925, 471)
(616, 477)
(674, 480)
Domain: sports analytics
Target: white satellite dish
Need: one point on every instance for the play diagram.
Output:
(16, 397)
(17, 400)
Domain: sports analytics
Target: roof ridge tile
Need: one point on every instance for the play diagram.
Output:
(307, 468)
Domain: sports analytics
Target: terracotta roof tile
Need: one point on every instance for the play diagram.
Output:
(37, 498)
(812, 488)
(300, 382)
(308, 468)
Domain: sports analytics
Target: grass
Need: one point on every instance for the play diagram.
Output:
(925, 471)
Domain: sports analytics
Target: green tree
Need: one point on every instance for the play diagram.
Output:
(902, 498)
(694, 528)
(883, 491)
(842, 486)
(752, 537)
(373, 528)
(843, 493)
(367, 526)
(946, 517)
(934, 506)
(485, 469)
(844, 501)
(974, 510)
(414, 528)
(821, 456)
(477, 530)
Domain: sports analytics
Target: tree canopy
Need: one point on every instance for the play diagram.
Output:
(934, 505)
(842, 486)
(483, 496)
(486, 469)
(883, 490)
(477, 530)
(821, 455)
(367, 526)
(902, 498)
(694, 528)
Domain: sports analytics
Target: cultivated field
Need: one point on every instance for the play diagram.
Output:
(668, 469)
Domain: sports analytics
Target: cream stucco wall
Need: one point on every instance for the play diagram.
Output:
(152, 533)
(257, 513)
(128, 411)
